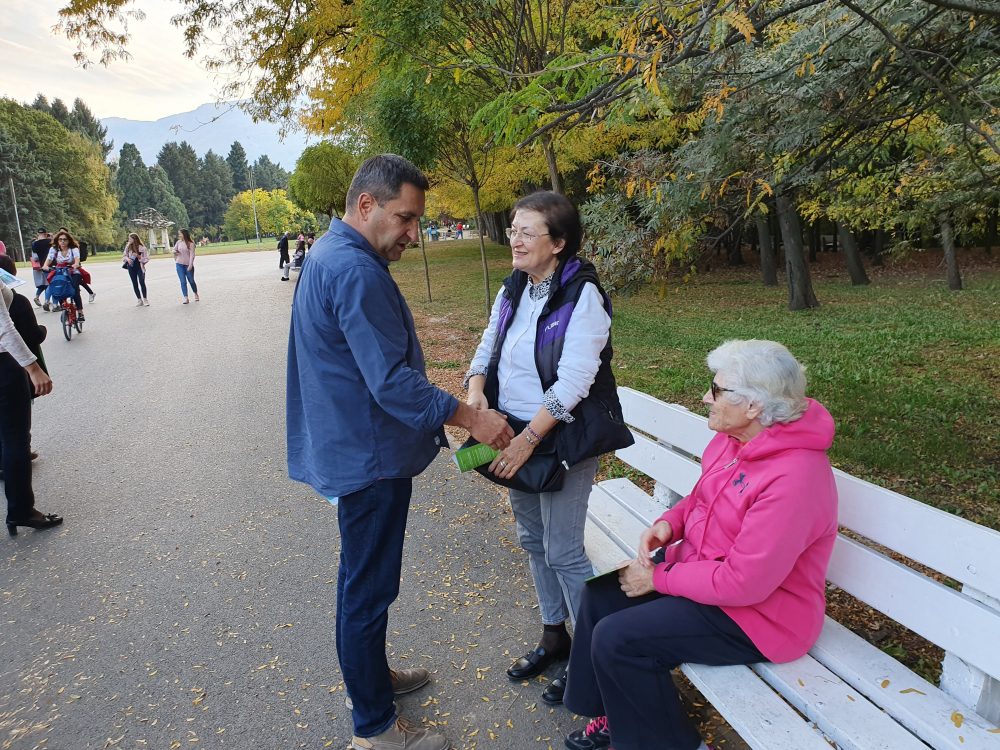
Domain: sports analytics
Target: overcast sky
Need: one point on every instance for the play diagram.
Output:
(157, 81)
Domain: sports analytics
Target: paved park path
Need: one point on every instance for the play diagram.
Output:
(187, 601)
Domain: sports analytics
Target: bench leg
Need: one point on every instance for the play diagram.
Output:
(969, 684)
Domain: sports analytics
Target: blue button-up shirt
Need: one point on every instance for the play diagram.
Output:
(359, 406)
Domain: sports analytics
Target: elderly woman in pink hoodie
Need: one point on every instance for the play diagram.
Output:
(739, 570)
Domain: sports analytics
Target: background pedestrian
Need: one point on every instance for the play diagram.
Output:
(184, 262)
(135, 258)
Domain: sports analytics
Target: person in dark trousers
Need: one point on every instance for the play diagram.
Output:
(739, 572)
(134, 258)
(39, 252)
(363, 420)
(21, 378)
(283, 250)
(23, 316)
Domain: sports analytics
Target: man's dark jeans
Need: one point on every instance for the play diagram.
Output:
(623, 651)
(372, 528)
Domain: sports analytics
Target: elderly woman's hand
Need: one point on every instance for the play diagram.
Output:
(477, 401)
(636, 579)
(512, 458)
(656, 536)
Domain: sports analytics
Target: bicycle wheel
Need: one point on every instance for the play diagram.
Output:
(79, 325)
(66, 325)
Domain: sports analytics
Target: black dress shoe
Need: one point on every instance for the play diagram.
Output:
(553, 693)
(38, 521)
(535, 662)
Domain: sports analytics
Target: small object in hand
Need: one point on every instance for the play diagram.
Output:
(503, 464)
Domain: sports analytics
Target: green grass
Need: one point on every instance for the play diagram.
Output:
(907, 368)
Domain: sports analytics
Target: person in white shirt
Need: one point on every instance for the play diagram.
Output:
(545, 359)
(65, 253)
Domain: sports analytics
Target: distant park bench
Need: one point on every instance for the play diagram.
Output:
(845, 691)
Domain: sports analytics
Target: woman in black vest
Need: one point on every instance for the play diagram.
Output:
(545, 359)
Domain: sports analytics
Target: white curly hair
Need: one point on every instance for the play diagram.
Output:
(764, 373)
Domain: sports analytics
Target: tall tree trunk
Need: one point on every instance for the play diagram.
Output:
(800, 290)
(772, 219)
(849, 244)
(813, 242)
(991, 228)
(482, 247)
(550, 159)
(767, 266)
(948, 245)
(427, 270)
(879, 247)
(734, 246)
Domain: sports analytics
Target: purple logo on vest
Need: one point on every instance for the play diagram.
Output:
(554, 325)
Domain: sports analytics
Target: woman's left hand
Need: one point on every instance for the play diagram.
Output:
(636, 579)
(512, 457)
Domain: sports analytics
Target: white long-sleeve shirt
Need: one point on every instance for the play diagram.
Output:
(520, 387)
(10, 340)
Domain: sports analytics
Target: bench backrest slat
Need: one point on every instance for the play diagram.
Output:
(952, 620)
(671, 423)
(962, 550)
(677, 472)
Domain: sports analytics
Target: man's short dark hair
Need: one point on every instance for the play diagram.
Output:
(561, 218)
(382, 177)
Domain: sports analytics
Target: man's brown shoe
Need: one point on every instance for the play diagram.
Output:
(403, 681)
(402, 736)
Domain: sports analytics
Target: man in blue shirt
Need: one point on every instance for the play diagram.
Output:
(363, 420)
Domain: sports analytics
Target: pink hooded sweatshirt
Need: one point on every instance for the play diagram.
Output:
(757, 531)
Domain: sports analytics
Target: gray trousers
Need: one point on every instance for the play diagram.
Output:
(550, 528)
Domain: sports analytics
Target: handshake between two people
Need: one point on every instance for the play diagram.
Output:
(488, 426)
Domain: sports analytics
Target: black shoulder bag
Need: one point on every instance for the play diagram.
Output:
(542, 472)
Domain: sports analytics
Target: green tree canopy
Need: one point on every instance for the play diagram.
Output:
(238, 165)
(215, 189)
(321, 178)
(75, 166)
(165, 201)
(134, 184)
(269, 176)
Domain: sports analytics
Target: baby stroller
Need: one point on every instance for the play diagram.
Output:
(63, 292)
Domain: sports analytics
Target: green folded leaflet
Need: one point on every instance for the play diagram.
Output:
(469, 458)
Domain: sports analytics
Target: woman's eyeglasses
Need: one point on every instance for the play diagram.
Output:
(717, 389)
(513, 234)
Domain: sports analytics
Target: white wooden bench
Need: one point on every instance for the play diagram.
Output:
(850, 692)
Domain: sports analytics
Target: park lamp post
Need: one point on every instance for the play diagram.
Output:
(253, 201)
(17, 218)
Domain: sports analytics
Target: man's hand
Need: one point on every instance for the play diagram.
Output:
(40, 382)
(636, 579)
(487, 426)
(656, 536)
(491, 427)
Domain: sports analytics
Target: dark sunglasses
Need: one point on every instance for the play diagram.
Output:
(717, 389)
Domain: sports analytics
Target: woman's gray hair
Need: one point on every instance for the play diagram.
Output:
(764, 373)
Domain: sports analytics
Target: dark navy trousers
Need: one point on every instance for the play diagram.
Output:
(623, 651)
(15, 438)
(372, 529)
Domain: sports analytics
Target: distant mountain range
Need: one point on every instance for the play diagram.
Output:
(198, 129)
